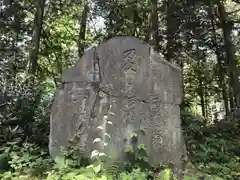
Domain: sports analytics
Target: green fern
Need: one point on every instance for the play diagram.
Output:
(112, 166)
(163, 175)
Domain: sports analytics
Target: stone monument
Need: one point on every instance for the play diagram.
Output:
(122, 81)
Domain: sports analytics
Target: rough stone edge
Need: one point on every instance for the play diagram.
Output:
(171, 64)
(67, 71)
(152, 53)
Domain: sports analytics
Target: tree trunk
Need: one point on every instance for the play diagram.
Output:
(28, 114)
(173, 24)
(206, 102)
(202, 99)
(219, 60)
(153, 25)
(230, 53)
(231, 96)
(82, 32)
(222, 82)
(182, 105)
(38, 21)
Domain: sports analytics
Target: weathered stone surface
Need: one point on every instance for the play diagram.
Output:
(134, 88)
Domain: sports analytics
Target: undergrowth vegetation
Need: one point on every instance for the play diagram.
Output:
(214, 156)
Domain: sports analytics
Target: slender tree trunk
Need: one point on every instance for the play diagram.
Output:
(230, 53)
(182, 106)
(38, 21)
(206, 104)
(201, 88)
(202, 99)
(222, 82)
(28, 114)
(9, 75)
(173, 23)
(153, 25)
(231, 96)
(219, 60)
(170, 31)
(82, 32)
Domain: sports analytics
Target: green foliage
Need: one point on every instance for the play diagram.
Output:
(136, 154)
(216, 153)
(211, 156)
(135, 174)
(25, 159)
(31, 163)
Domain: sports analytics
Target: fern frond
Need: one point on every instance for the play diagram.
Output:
(112, 166)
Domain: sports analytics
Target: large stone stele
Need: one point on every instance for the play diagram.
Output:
(121, 81)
